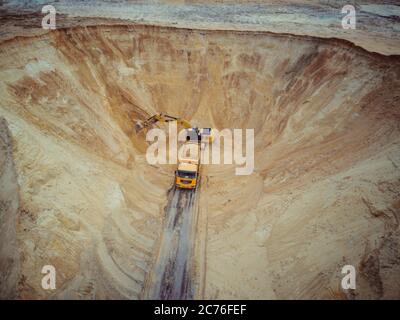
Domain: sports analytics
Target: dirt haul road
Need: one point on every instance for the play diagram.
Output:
(172, 274)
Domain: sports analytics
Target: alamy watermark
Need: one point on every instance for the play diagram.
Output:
(49, 20)
(349, 20)
(228, 143)
(49, 280)
(349, 280)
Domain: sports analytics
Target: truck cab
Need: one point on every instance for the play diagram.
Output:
(186, 175)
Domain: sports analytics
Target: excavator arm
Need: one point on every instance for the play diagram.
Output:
(160, 117)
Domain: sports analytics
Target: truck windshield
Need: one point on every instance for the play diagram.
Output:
(186, 174)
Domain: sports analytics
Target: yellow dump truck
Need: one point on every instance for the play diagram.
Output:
(187, 174)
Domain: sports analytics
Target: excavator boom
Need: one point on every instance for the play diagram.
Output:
(160, 117)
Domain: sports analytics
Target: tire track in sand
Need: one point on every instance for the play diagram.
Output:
(171, 274)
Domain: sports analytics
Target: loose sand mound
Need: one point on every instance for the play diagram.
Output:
(324, 192)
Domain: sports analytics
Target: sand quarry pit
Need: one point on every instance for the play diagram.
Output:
(77, 192)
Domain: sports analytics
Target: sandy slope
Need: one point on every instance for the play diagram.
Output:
(324, 192)
(9, 206)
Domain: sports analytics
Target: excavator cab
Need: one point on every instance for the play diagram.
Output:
(201, 135)
(206, 135)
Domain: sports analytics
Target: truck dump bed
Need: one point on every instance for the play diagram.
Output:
(189, 153)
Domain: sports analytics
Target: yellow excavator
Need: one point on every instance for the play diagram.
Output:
(187, 174)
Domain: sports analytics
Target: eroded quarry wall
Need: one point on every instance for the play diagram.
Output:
(324, 192)
(9, 205)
